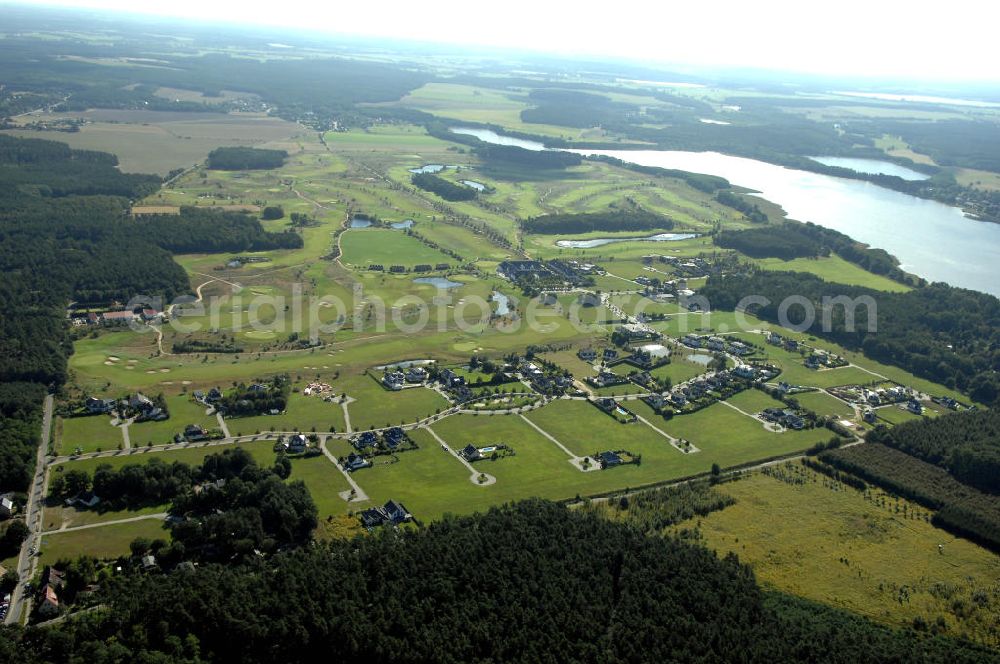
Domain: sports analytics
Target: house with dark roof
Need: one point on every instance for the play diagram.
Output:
(587, 354)
(471, 453)
(393, 380)
(373, 517)
(297, 443)
(355, 462)
(364, 440)
(393, 437)
(609, 459)
(396, 512)
(416, 375)
(99, 406)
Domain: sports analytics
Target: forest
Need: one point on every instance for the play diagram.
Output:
(947, 335)
(446, 189)
(612, 220)
(529, 582)
(792, 239)
(967, 445)
(204, 230)
(509, 155)
(961, 509)
(245, 159)
(750, 210)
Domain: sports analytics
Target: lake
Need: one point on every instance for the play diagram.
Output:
(490, 136)
(478, 186)
(360, 222)
(872, 167)
(933, 240)
(438, 282)
(402, 225)
(601, 241)
(428, 168)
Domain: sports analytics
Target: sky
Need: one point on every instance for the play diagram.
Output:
(950, 41)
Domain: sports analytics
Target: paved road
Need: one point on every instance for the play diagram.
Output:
(19, 601)
(474, 474)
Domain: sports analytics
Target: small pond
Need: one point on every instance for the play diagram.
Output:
(438, 282)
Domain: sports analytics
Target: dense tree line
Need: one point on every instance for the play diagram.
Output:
(204, 230)
(792, 239)
(947, 335)
(446, 189)
(700, 181)
(612, 220)
(244, 159)
(572, 108)
(750, 210)
(20, 410)
(510, 155)
(559, 586)
(965, 444)
(656, 509)
(771, 242)
(961, 509)
(244, 400)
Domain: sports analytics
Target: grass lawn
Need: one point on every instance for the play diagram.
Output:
(183, 411)
(729, 438)
(374, 406)
(822, 403)
(834, 544)
(836, 269)
(192, 454)
(304, 413)
(753, 401)
(91, 433)
(364, 246)
(104, 542)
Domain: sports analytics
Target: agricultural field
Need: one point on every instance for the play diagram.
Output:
(158, 142)
(869, 552)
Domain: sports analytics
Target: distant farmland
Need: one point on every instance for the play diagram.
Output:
(160, 141)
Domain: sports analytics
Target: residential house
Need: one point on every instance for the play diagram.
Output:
(716, 343)
(6, 506)
(48, 604)
(193, 432)
(96, 406)
(609, 355)
(587, 354)
(396, 512)
(471, 453)
(791, 345)
(678, 399)
(745, 371)
(393, 438)
(373, 517)
(869, 416)
(259, 388)
(297, 443)
(364, 440)
(393, 380)
(149, 315)
(355, 462)
(416, 375)
(774, 339)
(213, 395)
(117, 317)
(656, 401)
(450, 379)
(738, 348)
(914, 407)
(691, 341)
(608, 459)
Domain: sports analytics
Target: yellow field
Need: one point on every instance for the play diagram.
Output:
(872, 554)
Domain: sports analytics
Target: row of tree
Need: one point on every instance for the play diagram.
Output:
(204, 230)
(611, 220)
(961, 509)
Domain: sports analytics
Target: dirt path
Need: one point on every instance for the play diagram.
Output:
(474, 474)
